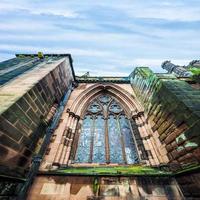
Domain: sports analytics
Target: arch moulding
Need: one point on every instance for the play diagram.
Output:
(128, 101)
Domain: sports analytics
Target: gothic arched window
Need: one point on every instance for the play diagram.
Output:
(106, 135)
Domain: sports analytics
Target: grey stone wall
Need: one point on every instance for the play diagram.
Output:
(22, 125)
(173, 110)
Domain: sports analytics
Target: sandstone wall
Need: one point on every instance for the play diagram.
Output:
(25, 105)
(190, 185)
(116, 188)
(173, 110)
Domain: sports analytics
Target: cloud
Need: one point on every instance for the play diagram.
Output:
(74, 51)
(173, 13)
(104, 37)
(36, 9)
(64, 12)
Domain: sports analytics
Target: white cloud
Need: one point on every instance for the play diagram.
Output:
(114, 35)
(37, 10)
(64, 12)
(158, 62)
(73, 51)
(172, 13)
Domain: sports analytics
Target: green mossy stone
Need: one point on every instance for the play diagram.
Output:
(122, 170)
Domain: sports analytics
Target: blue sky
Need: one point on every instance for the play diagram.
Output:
(105, 37)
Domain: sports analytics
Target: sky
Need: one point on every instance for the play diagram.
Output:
(104, 37)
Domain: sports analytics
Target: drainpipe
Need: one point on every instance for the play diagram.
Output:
(38, 158)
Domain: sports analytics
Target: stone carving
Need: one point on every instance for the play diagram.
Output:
(180, 71)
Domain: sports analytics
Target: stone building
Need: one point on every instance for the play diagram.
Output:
(69, 137)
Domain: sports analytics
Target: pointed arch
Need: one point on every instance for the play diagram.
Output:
(106, 135)
(128, 101)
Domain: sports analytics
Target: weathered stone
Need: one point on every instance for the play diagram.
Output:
(8, 129)
(8, 142)
(25, 102)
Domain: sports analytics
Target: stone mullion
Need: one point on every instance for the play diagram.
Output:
(107, 149)
(122, 140)
(62, 140)
(92, 138)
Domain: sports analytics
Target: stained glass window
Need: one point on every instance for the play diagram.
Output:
(99, 155)
(115, 145)
(106, 135)
(83, 151)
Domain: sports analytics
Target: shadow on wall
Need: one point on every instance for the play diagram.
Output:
(115, 187)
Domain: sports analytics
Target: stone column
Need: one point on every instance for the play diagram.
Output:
(67, 140)
(70, 141)
(76, 140)
(62, 142)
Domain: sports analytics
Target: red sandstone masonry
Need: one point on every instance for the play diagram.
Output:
(21, 120)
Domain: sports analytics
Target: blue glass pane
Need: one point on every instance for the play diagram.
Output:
(99, 141)
(115, 107)
(83, 150)
(104, 99)
(114, 134)
(94, 107)
(130, 149)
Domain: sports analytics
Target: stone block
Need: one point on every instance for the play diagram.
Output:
(8, 129)
(23, 128)
(30, 101)
(175, 154)
(20, 114)
(23, 104)
(40, 107)
(33, 116)
(3, 152)
(32, 94)
(10, 116)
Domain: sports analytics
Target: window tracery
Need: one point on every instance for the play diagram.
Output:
(106, 135)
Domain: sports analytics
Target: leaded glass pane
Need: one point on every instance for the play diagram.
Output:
(115, 107)
(130, 150)
(83, 151)
(94, 107)
(99, 155)
(115, 144)
(106, 134)
(105, 99)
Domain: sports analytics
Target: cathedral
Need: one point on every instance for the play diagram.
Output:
(68, 137)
